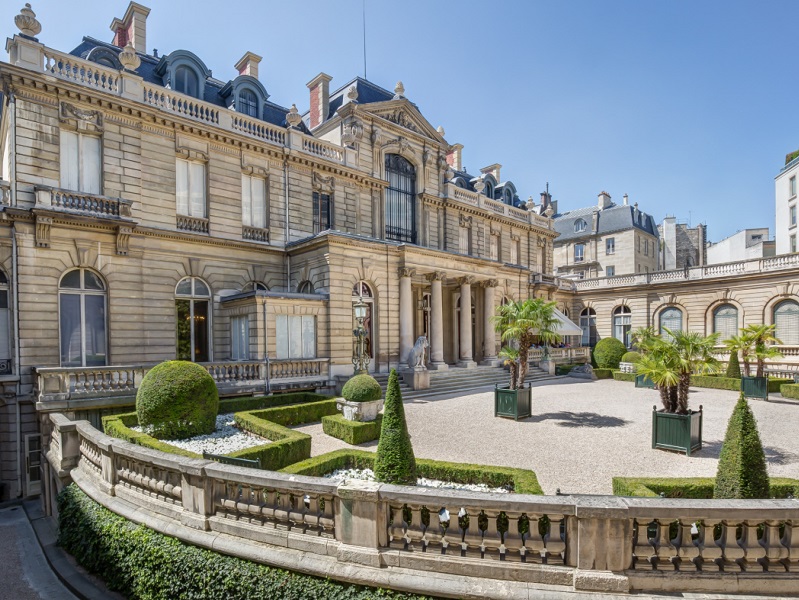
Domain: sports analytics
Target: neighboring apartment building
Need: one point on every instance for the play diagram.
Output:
(605, 240)
(785, 188)
(681, 245)
(743, 245)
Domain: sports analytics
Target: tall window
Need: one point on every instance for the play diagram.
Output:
(190, 184)
(248, 103)
(792, 241)
(80, 162)
(588, 325)
(610, 246)
(786, 319)
(296, 336)
(494, 247)
(186, 81)
(400, 199)
(671, 319)
(82, 315)
(322, 212)
(362, 292)
(610, 271)
(646, 248)
(622, 323)
(5, 327)
(465, 240)
(580, 225)
(514, 251)
(725, 321)
(240, 338)
(253, 201)
(579, 252)
(792, 216)
(792, 186)
(193, 307)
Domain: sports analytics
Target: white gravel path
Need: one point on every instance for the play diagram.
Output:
(584, 433)
(225, 439)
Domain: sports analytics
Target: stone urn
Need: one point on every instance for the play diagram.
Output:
(359, 411)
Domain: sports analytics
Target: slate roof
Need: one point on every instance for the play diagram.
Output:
(613, 218)
(273, 113)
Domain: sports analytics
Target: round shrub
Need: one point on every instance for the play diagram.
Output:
(177, 399)
(608, 353)
(631, 357)
(361, 388)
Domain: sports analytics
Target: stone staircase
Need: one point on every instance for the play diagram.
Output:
(458, 381)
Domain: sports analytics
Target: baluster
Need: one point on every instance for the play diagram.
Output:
(313, 512)
(415, 530)
(729, 544)
(268, 504)
(666, 552)
(790, 539)
(432, 532)
(555, 544)
(643, 548)
(297, 511)
(754, 552)
(448, 527)
(492, 541)
(512, 539)
(534, 549)
(472, 537)
(243, 502)
(687, 549)
(282, 510)
(776, 553)
(326, 520)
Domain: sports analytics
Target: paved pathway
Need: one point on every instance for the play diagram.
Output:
(584, 433)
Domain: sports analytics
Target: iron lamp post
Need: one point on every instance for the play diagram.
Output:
(360, 359)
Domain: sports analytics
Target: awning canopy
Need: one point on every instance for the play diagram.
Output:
(567, 326)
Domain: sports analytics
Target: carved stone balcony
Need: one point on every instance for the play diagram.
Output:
(81, 203)
(193, 224)
(255, 234)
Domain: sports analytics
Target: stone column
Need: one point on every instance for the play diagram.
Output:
(405, 314)
(489, 332)
(436, 321)
(465, 351)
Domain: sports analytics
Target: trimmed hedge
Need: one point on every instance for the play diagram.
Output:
(790, 390)
(775, 384)
(241, 403)
(119, 426)
(603, 373)
(619, 376)
(362, 388)
(566, 369)
(608, 353)
(728, 383)
(142, 563)
(631, 357)
(352, 432)
(395, 461)
(697, 488)
(521, 481)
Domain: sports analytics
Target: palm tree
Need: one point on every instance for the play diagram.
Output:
(694, 355)
(643, 338)
(660, 365)
(762, 338)
(510, 357)
(740, 344)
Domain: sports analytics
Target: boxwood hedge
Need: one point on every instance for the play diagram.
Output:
(690, 487)
(729, 383)
(603, 373)
(619, 376)
(352, 432)
(790, 390)
(142, 563)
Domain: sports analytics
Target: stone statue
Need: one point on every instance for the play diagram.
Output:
(416, 358)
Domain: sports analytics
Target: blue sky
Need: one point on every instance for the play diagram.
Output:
(686, 106)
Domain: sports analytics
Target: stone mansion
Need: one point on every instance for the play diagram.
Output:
(151, 211)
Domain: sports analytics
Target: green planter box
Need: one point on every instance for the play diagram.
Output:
(755, 387)
(512, 403)
(642, 381)
(671, 431)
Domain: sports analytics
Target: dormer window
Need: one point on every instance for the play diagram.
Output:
(186, 81)
(489, 190)
(580, 225)
(183, 72)
(508, 195)
(247, 103)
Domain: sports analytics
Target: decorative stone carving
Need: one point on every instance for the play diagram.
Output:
(359, 411)
(399, 90)
(489, 283)
(549, 212)
(353, 131)
(440, 131)
(323, 184)
(465, 221)
(293, 117)
(26, 22)
(400, 141)
(128, 58)
(123, 238)
(416, 358)
(43, 225)
(352, 94)
(401, 118)
(374, 136)
(406, 272)
(436, 276)
(466, 280)
(83, 120)
(479, 186)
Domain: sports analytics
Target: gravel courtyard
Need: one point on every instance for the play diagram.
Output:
(583, 433)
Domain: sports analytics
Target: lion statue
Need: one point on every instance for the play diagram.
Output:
(417, 354)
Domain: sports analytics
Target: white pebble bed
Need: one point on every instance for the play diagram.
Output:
(225, 439)
(368, 475)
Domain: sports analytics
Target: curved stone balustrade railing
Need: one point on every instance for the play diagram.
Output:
(441, 542)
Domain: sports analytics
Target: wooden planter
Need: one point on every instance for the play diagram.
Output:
(671, 431)
(512, 403)
(755, 387)
(642, 381)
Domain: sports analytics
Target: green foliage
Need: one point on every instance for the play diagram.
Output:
(362, 388)
(619, 376)
(790, 390)
(755, 342)
(566, 369)
(395, 462)
(790, 156)
(119, 426)
(631, 357)
(604, 373)
(141, 563)
(295, 414)
(716, 383)
(233, 405)
(689, 487)
(775, 384)
(352, 432)
(521, 481)
(510, 359)
(742, 470)
(733, 367)
(177, 399)
(608, 353)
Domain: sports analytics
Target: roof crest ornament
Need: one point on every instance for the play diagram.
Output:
(26, 22)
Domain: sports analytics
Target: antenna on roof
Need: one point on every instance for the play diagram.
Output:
(364, 39)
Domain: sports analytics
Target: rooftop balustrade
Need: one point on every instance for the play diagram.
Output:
(464, 196)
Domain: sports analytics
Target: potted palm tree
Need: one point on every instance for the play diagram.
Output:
(643, 340)
(669, 365)
(754, 342)
(518, 324)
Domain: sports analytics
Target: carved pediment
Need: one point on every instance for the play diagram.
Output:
(404, 114)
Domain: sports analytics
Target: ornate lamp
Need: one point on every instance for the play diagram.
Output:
(360, 359)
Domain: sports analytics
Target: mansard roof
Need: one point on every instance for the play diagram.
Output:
(609, 220)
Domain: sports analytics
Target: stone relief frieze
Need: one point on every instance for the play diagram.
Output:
(87, 120)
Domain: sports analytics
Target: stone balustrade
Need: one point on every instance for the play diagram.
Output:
(322, 149)
(445, 542)
(182, 104)
(254, 234)
(81, 203)
(561, 355)
(82, 72)
(193, 224)
(258, 129)
(464, 196)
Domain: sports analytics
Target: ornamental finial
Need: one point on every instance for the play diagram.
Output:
(26, 22)
(128, 58)
(352, 94)
(399, 91)
(293, 117)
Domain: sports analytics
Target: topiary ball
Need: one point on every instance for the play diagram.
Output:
(362, 388)
(177, 399)
(608, 353)
(631, 357)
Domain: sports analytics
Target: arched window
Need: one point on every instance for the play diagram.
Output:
(580, 225)
(5, 327)
(489, 190)
(400, 199)
(588, 325)
(248, 103)
(193, 307)
(82, 318)
(186, 81)
(305, 287)
(255, 286)
(725, 321)
(671, 319)
(622, 323)
(507, 197)
(361, 292)
(786, 319)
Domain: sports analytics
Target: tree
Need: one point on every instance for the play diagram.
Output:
(762, 337)
(510, 358)
(659, 365)
(742, 472)
(643, 338)
(394, 462)
(733, 367)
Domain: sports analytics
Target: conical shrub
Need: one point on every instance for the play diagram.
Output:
(742, 472)
(394, 462)
(734, 367)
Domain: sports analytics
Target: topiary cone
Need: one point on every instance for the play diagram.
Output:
(733, 367)
(742, 472)
(394, 461)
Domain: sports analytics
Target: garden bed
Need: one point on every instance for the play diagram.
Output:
(690, 487)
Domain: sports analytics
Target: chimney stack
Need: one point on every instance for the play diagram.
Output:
(603, 201)
(320, 99)
(626, 200)
(492, 170)
(132, 28)
(248, 64)
(455, 157)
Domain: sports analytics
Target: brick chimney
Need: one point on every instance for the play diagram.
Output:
(492, 170)
(132, 28)
(248, 64)
(320, 99)
(455, 157)
(603, 200)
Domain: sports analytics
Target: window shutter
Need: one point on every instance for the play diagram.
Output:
(182, 186)
(69, 160)
(725, 322)
(90, 164)
(326, 220)
(786, 319)
(197, 189)
(308, 336)
(246, 200)
(670, 319)
(258, 200)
